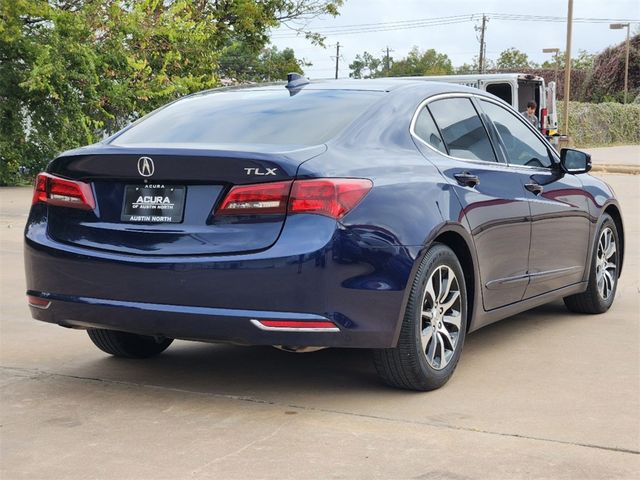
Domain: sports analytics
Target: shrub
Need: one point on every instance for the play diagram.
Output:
(600, 124)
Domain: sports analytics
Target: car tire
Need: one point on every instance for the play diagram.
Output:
(433, 329)
(127, 345)
(603, 274)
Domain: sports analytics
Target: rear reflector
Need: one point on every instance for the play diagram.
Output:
(38, 302)
(295, 325)
(332, 197)
(62, 192)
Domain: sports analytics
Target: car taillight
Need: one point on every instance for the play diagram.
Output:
(258, 199)
(62, 192)
(333, 197)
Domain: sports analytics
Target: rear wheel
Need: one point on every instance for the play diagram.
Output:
(128, 345)
(603, 277)
(433, 329)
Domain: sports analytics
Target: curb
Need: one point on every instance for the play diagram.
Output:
(624, 169)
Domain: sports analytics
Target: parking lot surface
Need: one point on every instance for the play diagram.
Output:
(545, 394)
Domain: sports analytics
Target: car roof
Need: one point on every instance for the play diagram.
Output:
(386, 84)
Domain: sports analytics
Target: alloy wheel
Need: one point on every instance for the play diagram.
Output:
(441, 317)
(606, 274)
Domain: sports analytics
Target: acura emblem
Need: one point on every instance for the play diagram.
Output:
(145, 166)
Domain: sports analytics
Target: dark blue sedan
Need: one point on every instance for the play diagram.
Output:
(396, 215)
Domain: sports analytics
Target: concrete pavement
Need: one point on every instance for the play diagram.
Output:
(545, 394)
(620, 159)
(620, 155)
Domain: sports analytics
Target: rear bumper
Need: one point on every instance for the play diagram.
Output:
(315, 272)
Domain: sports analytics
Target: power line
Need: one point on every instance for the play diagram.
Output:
(437, 21)
(378, 29)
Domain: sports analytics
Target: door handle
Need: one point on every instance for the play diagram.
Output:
(534, 188)
(467, 179)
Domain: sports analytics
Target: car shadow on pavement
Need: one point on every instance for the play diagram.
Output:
(252, 371)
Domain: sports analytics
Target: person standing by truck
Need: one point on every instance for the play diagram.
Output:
(530, 114)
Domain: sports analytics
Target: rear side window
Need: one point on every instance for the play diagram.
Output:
(462, 130)
(265, 116)
(426, 129)
(522, 145)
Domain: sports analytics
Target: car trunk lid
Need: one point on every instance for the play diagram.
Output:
(160, 201)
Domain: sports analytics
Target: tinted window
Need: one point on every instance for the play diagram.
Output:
(522, 145)
(426, 129)
(269, 116)
(462, 130)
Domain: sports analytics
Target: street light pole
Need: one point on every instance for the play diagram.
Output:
(556, 52)
(567, 68)
(619, 26)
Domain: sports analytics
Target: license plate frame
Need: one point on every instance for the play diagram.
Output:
(157, 203)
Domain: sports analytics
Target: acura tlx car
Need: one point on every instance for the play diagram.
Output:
(396, 215)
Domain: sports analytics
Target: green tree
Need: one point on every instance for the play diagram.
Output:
(514, 59)
(72, 71)
(239, 64)
(366, 66)
(418, 63)
(582, 61)
(474, 68)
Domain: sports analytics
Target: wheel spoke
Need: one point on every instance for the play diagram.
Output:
(610, 250)
(443, 359)
(427, 333)
(453, 320)
(430, 290)
(431, 352)
(427, 315)
(608, 279)
(452, 299)
(445, 284)
(445, 335)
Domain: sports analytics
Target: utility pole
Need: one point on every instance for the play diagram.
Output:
(387, 63)
(567, 68)
(337, 58)
(482, 48)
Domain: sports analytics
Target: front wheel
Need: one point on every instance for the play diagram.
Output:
(603, 277)
(128, 345)
(433, 329)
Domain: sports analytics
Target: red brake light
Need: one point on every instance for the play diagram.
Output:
(333, 197)
(60, 191)
(257, 199)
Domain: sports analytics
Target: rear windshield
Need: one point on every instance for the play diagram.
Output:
(274, 117)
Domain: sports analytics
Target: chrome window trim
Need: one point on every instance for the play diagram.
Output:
(441, 96)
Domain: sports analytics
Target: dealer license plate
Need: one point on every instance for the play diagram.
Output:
(153, 203)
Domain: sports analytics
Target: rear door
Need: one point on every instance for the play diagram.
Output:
(491, 194)
(559, 208)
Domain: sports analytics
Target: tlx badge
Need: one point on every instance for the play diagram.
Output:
(259, 171)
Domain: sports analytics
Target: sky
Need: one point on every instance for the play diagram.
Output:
(458, 40)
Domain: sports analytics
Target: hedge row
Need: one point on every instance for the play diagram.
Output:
(601, 124)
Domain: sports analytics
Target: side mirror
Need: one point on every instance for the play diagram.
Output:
(575, 161)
